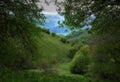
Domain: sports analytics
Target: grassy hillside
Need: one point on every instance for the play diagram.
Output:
(51, 63)
(52, 50)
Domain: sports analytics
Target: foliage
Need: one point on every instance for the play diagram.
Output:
(45, 30)
(77, 12)
(53, 34)
(63, 40)
(16, 46)
(106, 24)
(22, 9)
(31, 76)
(79, 38)
(106, 59)
(81, 61)
(72, 52)
(18, 32)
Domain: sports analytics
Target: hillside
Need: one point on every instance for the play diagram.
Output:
(52, 50)
(79, 38)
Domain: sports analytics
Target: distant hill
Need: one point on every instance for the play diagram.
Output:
(79, 38)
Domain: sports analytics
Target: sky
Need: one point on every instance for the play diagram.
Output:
(51, 23)
(50, 7)
(52, 18)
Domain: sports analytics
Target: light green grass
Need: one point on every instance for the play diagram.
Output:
(52, 48)
(63, 68)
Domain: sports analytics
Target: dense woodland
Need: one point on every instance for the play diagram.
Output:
(37, 55)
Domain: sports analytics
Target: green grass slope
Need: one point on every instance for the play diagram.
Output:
(52, 50)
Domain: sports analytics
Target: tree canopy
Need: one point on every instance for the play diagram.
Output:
(20, 8)
(17, 31)
(77, 11)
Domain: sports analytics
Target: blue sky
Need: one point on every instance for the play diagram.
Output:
(53, 26)
(51, 23)
(52, 18)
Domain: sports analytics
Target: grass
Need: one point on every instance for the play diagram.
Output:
(52, 48)
(30, 76)
(63, 68)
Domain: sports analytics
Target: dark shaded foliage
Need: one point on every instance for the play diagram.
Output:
(7, 75)
(106, 51)
(63, 40)
(72, 52)
(53, 34)
(106, 58)
(17, 32)
(45, 30)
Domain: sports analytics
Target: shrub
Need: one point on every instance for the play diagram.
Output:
(19, 45)
(106, 59)
(80, 62)
(36, 76)
(63, 40)
(53, 34)
(72, 52)
(46, 30)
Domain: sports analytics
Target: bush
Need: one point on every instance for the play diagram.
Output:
(19, 45)
(80, 62)
(106, 59)
(72, 52)
(63, 40)
(7, 75)
(45, 30)
(53, 34)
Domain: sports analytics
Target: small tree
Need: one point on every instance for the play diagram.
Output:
(80, 62)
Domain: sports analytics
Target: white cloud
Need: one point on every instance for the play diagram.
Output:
(49, 7)
(50, 13)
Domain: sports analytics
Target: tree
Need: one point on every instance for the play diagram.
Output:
(17, 32)
(105, 28)
(81, 61)
(15, 14)
(77, 11)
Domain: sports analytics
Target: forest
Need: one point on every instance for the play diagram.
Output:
(88, 52)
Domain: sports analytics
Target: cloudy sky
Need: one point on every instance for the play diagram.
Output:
(52, 17)
(49, 6)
